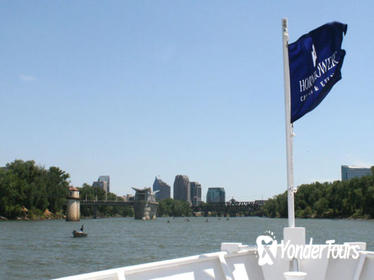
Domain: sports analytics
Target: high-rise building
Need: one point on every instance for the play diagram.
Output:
(161, 188)
(215, 195)
(106, 180)
(195, 193)
(98, 184)
(102, 183)
(182, 188)
(349, 172)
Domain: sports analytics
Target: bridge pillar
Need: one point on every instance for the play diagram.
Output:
(145, 205)
(94, 211)
(73, 205)
(144, 210)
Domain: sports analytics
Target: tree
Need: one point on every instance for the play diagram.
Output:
(353, 198)
(24, 185)
(176, 208)
(321, 206)
(57, 186)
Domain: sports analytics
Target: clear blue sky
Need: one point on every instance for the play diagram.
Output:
(135, 89)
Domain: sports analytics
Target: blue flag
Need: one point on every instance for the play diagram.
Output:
(315, 61)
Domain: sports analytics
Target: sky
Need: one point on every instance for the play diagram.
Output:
(138, 89)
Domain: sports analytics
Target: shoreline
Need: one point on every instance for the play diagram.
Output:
(63, 217)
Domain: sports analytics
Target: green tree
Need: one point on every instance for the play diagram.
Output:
(352, 198)
(321, 206)
(176, 208)
(57, 186)
(23, 184)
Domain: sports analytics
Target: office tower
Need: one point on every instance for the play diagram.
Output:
(215, 195)
(161, 189)
(349, 172)
(182, 188)
(195, 188)
(106, 181)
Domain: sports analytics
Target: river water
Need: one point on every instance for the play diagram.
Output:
(46, 249)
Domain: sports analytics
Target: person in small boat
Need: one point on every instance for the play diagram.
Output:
(81, 228)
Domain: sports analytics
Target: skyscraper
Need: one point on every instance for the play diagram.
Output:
(100, 185)
(215, 195)
(195, 193)
(103, 183)
(349, 172)
(182, 188)
(162, 188)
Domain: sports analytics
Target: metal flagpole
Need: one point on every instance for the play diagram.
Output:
(289, 130)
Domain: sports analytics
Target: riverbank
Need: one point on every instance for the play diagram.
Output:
(47, 215)
(36, 215)
(60, 216)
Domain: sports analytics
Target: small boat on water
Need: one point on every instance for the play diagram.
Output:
(79, 234)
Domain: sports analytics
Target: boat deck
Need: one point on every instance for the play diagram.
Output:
(236, 261)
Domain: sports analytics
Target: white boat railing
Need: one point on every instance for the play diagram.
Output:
(237, 261)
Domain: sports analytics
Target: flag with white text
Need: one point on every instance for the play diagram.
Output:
(315, 61)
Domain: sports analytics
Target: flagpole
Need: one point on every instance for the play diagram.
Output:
(289, 130)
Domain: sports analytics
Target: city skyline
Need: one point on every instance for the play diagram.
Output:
(138, 88)
(362, 171)
(158, 185)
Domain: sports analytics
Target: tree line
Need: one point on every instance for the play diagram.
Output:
(340, 199)
(174, 208)
(28, 190)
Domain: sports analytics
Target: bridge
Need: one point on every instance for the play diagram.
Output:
(106, 203)
(97, 203)
(144, 204)
(230, 207)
